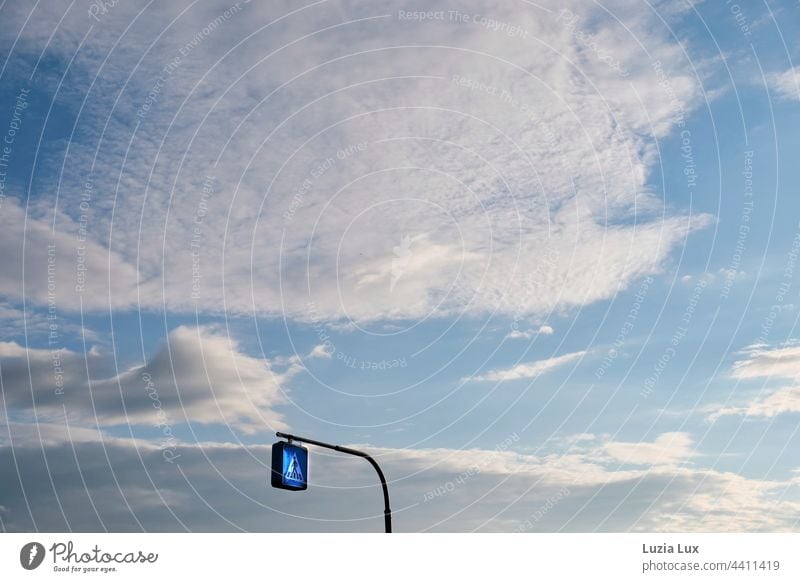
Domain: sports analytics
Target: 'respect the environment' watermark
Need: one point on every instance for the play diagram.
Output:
(52, 322)
(744, 226)
(169, 69)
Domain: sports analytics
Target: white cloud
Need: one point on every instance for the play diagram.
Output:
(198, 375)
(529, 333)
(763, 361)
(527, 199)
(782, 400)
(667, 449)
(530, 370)
(213, 487)
(520, 334)
(54, 268)
(320, 351)
(786, 84)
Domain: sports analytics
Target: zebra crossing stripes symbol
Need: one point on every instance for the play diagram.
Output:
(293, 473)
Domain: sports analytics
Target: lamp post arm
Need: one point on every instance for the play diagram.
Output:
(387, 512)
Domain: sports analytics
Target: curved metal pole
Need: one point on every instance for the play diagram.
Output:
(387, 512)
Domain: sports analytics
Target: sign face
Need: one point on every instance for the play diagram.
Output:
(289, 466)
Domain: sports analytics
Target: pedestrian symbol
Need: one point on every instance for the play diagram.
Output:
(293, 473)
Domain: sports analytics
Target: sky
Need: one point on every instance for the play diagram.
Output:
(540, 259)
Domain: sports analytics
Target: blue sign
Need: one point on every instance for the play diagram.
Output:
(289, 466)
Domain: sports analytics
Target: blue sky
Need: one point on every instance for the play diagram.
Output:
(540, 259)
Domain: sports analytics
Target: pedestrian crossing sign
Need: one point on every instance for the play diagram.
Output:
(289, 466)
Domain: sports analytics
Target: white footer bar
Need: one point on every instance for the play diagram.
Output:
(355, 557)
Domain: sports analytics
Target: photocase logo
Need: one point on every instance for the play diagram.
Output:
(31, 555)
(401, 258)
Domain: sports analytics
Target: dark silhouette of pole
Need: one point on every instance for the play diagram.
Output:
(387, 512)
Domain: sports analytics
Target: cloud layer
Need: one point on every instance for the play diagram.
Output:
(214, 487)
(280, 172)
(344, 165)
(197, 376)
(781, 364)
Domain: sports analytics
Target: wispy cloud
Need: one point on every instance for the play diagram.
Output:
(529, 370)
(529, 333)
(786, 84)
(762, 361)
(782, 400)
(576, 143)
